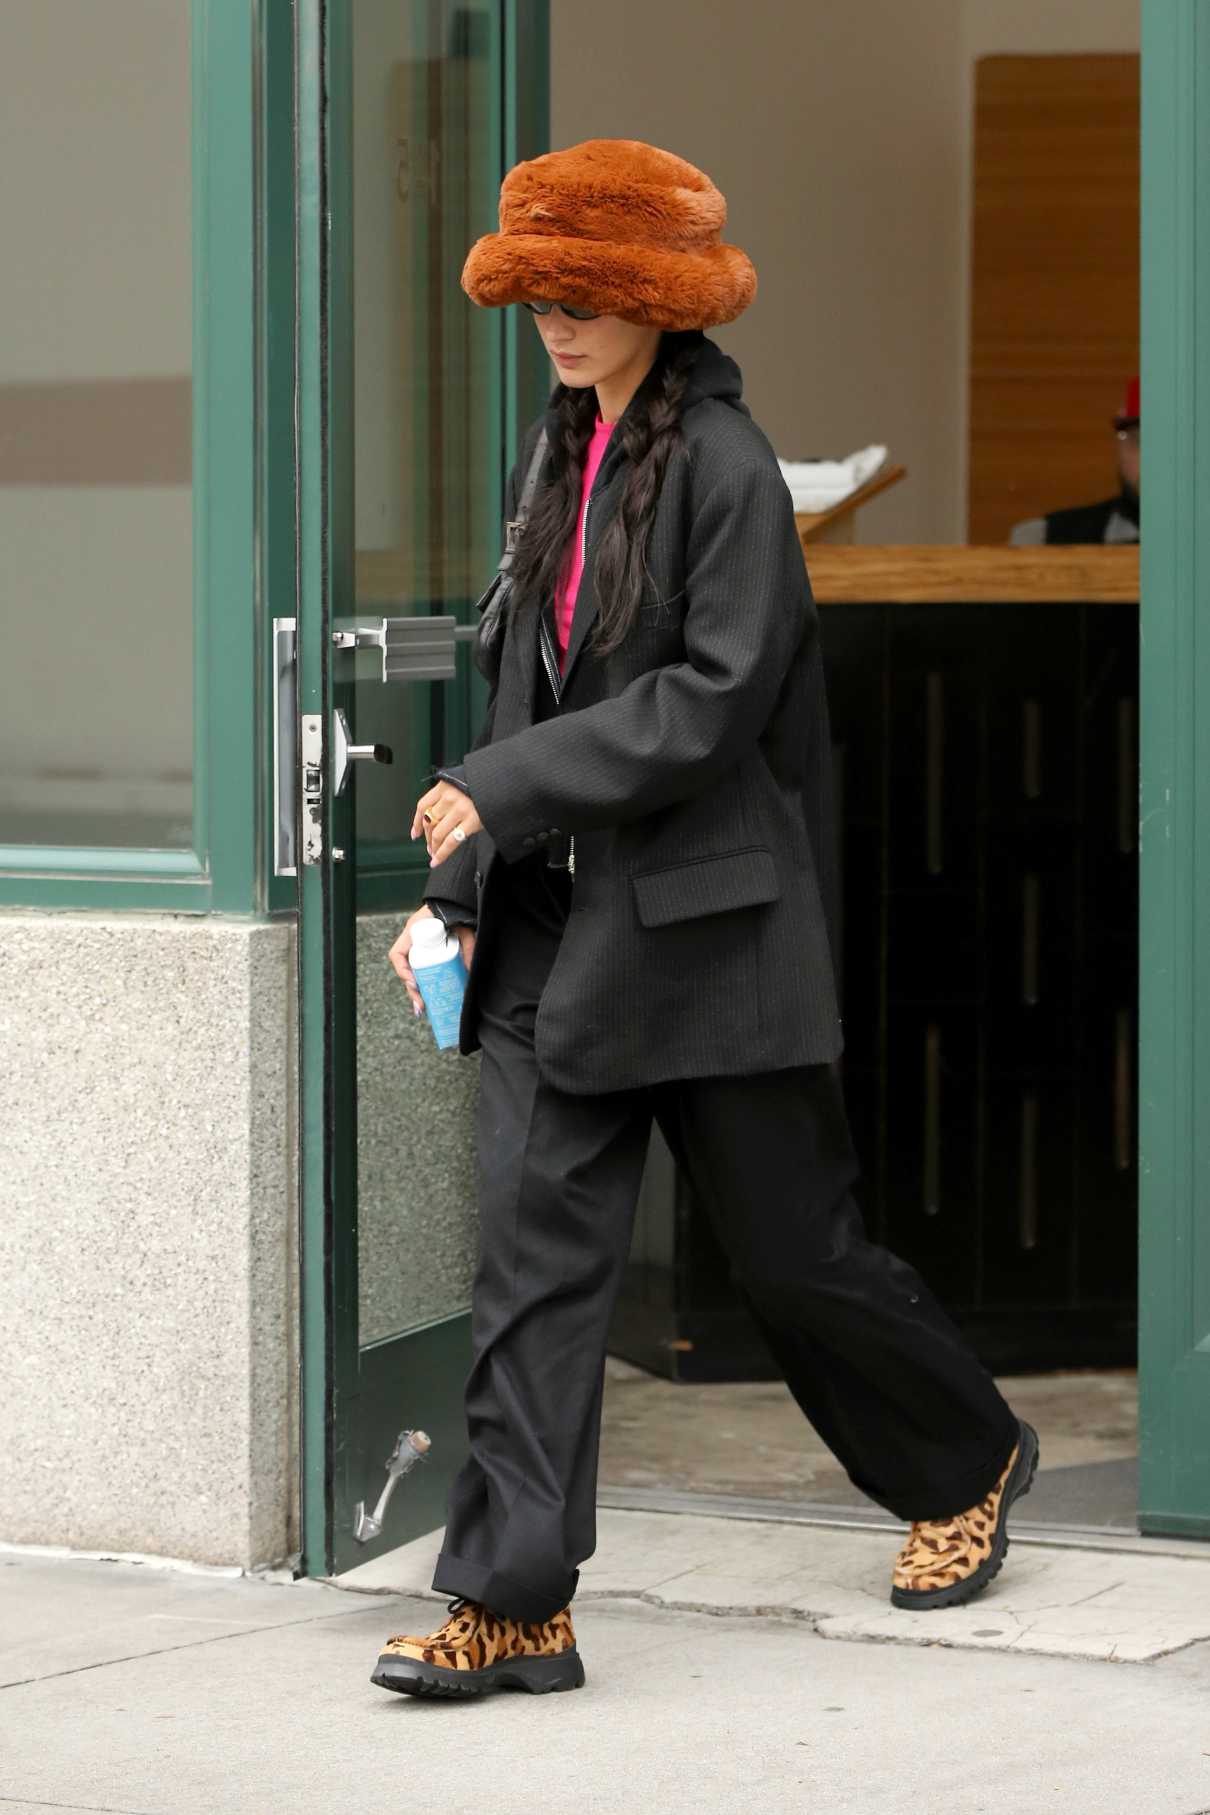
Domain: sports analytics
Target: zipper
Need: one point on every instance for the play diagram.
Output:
(549, 659)
(551, 664)
(584, 534)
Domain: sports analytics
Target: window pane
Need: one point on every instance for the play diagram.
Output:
(427, 372)
(95, 412)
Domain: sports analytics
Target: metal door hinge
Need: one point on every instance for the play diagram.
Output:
(410, 1448)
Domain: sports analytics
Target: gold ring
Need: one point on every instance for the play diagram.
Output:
(429, 816)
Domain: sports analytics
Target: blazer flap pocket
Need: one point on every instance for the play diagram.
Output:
(706, 885)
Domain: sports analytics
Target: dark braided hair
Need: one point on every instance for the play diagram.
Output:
(650, 430)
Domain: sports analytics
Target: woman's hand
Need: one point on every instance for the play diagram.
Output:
(400, 951)
(447, 817)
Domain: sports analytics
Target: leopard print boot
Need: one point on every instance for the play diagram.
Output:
(947, 1561)
(477, 1650)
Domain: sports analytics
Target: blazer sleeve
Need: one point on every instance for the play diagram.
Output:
(674, 730)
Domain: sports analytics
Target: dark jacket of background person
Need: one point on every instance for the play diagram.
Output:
(1113, 520)
(693, 767)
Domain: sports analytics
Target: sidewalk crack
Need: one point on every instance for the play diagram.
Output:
(133, 1657)
(103, 1808)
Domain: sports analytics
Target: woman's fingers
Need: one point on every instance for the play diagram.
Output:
(466, 942)
(398, 956)
(453, 829)
(430, 802)
(438, 811)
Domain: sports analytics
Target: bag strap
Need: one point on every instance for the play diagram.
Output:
(512, 528)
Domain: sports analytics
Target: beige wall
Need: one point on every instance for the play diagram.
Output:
(840, 137)
(1041, 26)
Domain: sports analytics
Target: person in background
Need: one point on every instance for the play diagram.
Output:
(1114, 519)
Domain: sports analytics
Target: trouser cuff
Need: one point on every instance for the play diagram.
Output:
(941, 1499)
(503, 1594)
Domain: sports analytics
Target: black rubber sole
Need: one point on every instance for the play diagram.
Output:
(537, 1675)
(1016, 1487)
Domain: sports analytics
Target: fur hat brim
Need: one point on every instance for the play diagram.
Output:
(662, 288)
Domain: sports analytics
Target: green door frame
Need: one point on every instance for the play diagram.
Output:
(343, 1385)
(316, 1186)
(1174, 1022)
(1174, 954)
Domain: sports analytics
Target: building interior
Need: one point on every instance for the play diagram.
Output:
(942, 203)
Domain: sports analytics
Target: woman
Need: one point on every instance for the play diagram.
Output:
(640, 837)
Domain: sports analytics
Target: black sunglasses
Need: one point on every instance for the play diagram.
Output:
(544, 308)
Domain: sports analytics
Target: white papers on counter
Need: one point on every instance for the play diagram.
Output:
(819, 484)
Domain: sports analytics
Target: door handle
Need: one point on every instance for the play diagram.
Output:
(285, 705)
(413, 649)
(345, 752)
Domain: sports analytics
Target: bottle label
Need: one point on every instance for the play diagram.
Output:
(443, 986)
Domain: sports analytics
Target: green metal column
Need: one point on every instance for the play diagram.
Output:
(314, 881)
(1174, 1008)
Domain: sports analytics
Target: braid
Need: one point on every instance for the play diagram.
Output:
(543, 545)
(651, 431)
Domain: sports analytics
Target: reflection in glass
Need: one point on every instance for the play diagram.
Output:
(426, 180)
(95, 424)
(427, 443)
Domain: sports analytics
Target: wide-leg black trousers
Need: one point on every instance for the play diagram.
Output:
(868, 1353)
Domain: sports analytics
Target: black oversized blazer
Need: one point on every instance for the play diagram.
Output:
(692, 767)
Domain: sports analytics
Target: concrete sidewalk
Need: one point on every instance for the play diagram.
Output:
(1123, 1600)
(138, 1690)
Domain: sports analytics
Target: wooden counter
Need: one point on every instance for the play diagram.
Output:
(938, 574)
(985, 944)
(984, 703)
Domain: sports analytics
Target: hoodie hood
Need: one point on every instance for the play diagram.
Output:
(714, 376)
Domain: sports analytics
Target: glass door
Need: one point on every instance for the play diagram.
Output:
(408, 406)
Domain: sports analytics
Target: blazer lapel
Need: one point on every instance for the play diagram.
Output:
(525, 647)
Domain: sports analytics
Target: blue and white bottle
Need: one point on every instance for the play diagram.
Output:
(436, 961)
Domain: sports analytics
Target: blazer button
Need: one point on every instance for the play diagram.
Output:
(554, 831)
(527, 843)
(542, 837)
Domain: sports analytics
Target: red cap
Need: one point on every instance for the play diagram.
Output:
(1129, 411)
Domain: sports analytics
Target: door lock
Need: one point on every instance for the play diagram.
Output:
(410, 1448)
(346, 752)
(311, 751)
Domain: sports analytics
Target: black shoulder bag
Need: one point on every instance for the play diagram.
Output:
(492, 606)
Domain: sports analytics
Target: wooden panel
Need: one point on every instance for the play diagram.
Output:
(1054, 282)
(914, 575)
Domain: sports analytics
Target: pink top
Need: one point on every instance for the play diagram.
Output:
(565, 593)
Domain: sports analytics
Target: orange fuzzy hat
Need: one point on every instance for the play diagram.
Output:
(616, 226)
